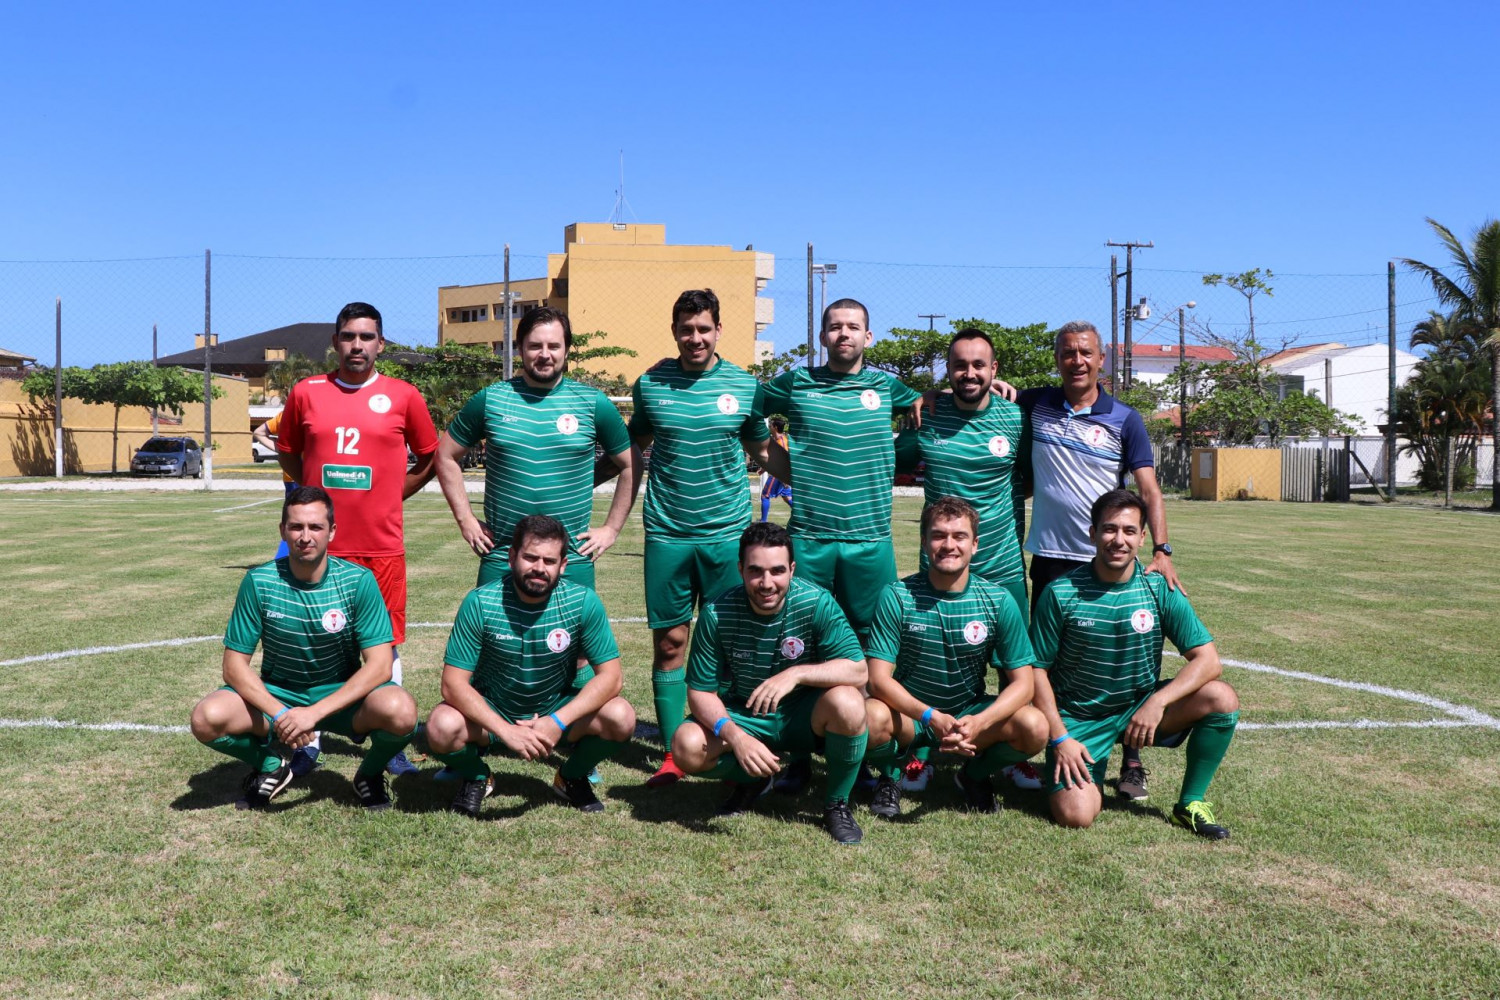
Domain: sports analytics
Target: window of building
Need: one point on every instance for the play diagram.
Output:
(477, 314)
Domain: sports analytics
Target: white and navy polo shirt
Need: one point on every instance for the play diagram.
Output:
(1076, 456)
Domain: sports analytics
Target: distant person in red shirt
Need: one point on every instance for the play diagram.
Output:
(348, 432)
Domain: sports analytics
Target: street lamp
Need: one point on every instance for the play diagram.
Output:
(823, 271)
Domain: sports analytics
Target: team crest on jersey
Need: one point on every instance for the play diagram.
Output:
(558, 640)
(999, 446)
(380, 403)
(792, 647)
(976, 632)
(1095, 436)
(334, 620)
(567, 424)
(1142, 621)
(728, 404)
(870, 399)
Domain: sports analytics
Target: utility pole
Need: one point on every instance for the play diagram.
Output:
(931, 318)
(823, 271)
(1390, 406)
(1114, 320)
(57, 443)
(510, 350)
(154, 429)
(812, 348)
(208, 371)
(1130, 248)
(1182, 382)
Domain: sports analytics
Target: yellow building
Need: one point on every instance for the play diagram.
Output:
(622, 278)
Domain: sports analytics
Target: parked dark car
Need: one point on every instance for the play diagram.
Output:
(168, 456)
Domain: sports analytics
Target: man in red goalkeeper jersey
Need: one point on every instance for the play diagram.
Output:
(348, 432)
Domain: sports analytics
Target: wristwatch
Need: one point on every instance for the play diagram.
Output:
(1165, 548)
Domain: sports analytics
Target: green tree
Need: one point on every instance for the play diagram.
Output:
(1473, 293)
(581, 354)
(768, 369)
(1023, 354)
(911, 355)
(125, 383)
(1249, 284)
(294, 368)
(1235, 402)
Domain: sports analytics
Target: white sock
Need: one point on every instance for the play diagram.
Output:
(317, 742)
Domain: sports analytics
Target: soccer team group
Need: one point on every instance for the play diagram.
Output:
(771, 645)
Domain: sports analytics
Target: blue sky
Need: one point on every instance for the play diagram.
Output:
(1312, 139)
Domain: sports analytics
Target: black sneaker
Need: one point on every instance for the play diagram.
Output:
(839, 822)
(979, 794)
(795, 777)
(886, 802)
(261, 788)
(1199, 818)
(372, 792)
(470, 797)
(1133, 782)
(577, 792)
(745, 796)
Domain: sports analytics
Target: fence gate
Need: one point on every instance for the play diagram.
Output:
(1315, 474)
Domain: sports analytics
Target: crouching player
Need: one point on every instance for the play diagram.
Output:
(774, 666)
(933, 639)
(326, 637)
(1098, 634)
(510, 668)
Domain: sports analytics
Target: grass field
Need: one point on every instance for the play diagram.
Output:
(1364, 861)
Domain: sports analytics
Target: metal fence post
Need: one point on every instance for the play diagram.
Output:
(208, 372)
(812, 347)
(57, 443)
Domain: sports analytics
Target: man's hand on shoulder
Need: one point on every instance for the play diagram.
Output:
(1162, 563)
(478, 535)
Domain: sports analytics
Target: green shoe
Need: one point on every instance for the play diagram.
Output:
(1199, 818)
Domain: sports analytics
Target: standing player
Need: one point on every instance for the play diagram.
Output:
(349, 432)
(326, 664)
(774, 488)
(694, 412)
(774, 666)
(1084, 441)
(1098, 632)
(934, 637)
(509, 674)
(540, 430)
(266, 434)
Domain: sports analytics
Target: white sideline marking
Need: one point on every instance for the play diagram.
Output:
(97, 650)
(1359, 724)
(105, 727)
(257, 503)
(612, 621)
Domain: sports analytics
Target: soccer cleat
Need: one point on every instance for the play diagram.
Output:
(795, 776)
(470, 797)
(594, 778)
(839, 822)
(399, 765)
(304, 760)
(669, 773)
(576, 792)
(1133, 782)
(744, 796)
(372, 792)
(1199, 818)
(979, 794)
(886, 802)
(1023, 775)
(262, 787)
(916, 775)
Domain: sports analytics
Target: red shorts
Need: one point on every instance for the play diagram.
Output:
(390, 577)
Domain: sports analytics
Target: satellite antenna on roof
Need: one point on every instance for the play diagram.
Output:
(622, 205)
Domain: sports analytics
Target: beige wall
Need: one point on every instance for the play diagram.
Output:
(26, 431)
(1257, 471)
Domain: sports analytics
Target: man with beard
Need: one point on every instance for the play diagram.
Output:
(540, 430)
(510, 673)
(936, 634)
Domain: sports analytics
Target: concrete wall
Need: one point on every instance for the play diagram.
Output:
(1220, 473)
(26, 431)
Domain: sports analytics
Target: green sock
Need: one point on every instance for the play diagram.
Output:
(250, 749)
(383, 746)
(1205, 749)
(885, 758)
(843, 755)
(991, 760)
(728, 768)
(669, 690)
(466, 761)
(586, 753)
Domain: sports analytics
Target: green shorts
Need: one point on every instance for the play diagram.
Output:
(788, 729)
(496, 746)
(1099, 737)
(496, 563)
(855, 572)
(681, 575)
(340, 723)
(925, 736)
(1017, 590)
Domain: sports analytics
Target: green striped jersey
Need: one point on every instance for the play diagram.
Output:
(973, 456)
(698, 488)
(523, 656)
(1101, 642)
(734, 649)
(942, 643)
(539, 452)
(309, 633)
(843, 460)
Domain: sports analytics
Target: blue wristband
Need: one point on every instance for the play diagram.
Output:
(719, 726)
(284, 709)
(1059, 741)
(927, 715)
(554, 718)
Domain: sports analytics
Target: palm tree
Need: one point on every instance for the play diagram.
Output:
(1474, 295)
(281, 377)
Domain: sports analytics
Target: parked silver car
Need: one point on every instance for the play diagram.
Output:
(168, 456)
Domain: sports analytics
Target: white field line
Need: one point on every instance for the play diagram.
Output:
(257, 503)
(99, 650)
(102, 727)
